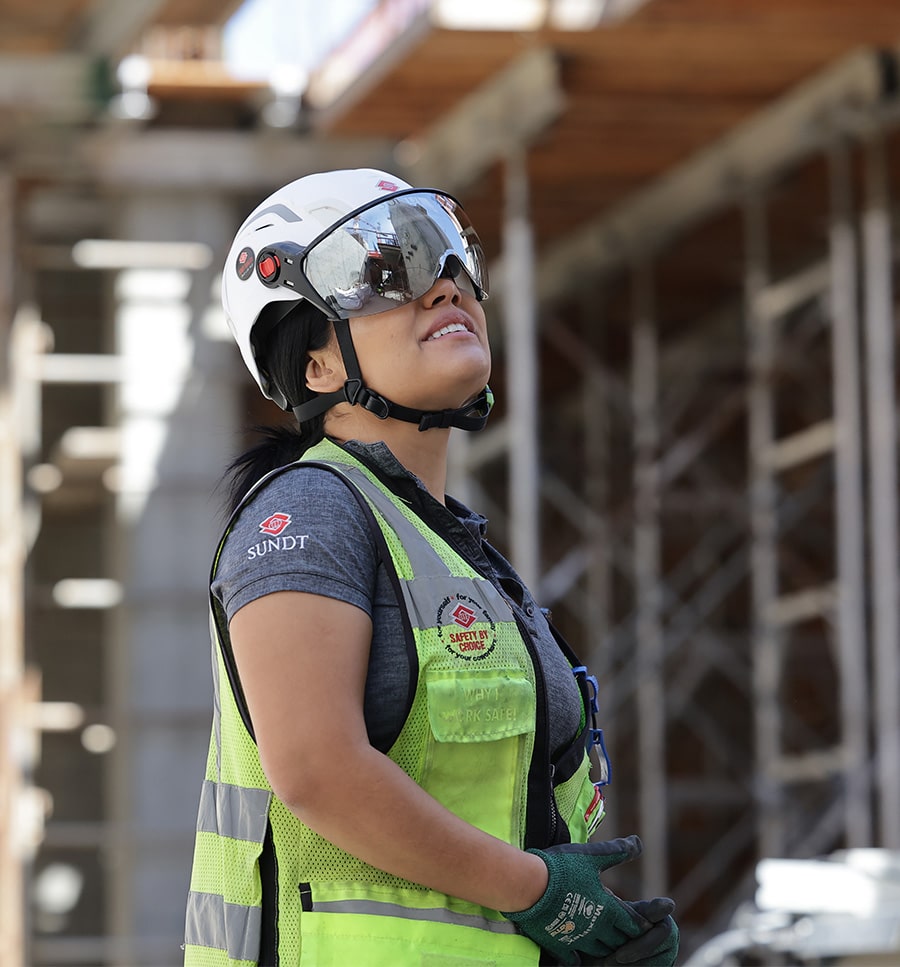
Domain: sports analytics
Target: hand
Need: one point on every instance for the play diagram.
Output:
(578, 915)
(658, 947)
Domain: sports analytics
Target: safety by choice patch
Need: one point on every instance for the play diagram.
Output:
(465, 628)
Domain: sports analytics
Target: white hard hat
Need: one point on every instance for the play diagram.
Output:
(298, 213)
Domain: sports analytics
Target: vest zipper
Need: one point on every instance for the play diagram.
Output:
(551, 799)
(269, 904)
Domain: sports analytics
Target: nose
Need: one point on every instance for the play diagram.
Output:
(444, 290)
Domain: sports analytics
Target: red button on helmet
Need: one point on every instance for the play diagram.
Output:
(268, 266)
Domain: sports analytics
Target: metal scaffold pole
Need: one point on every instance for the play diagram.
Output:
(597, 403)
(882, 441)
(649, 645)
(851, 630)
(521, 364)
(770, 821)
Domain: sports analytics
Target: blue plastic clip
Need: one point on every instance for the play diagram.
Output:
(595, 691)
(598, 743)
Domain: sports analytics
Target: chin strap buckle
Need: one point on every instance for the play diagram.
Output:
(356, 393)
(439, 418)
(376, 404)
(352, 389)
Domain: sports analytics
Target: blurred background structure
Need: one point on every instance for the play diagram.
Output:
(691, 211)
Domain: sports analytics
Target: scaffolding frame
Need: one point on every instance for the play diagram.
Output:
(844, 113)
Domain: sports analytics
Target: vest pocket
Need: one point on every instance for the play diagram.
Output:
(342, 940)
(479, 746)
(350, 924)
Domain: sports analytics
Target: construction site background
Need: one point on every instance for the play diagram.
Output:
(690, 211)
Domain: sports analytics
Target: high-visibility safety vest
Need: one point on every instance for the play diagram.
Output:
(266, 889)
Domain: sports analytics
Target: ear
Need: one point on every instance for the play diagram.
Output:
(325, 371)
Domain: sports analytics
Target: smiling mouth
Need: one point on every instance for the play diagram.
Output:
(445, 330)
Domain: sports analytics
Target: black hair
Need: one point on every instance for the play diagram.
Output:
(282, 351)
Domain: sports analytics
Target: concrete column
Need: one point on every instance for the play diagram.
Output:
(177, 409)
(12, 557)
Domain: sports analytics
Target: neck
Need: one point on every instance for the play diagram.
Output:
(423, 454)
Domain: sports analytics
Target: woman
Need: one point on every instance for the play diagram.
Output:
(385, 774)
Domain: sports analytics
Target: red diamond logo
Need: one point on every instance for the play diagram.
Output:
(275, 524)
(463, 616)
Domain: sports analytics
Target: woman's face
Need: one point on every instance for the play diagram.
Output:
(431, 354)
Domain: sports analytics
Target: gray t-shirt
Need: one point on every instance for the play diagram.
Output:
(305, 531)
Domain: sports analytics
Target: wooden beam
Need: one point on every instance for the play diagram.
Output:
(55, 87)
(503, 116)
(218, 160)
(110, 27)
(791, 129)
(196, 13)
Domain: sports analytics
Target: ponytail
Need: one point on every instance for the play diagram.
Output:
(282, 352)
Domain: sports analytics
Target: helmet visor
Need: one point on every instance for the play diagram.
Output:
(391, 252)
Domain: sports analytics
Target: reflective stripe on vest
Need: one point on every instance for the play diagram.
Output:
(426, 565)
(211, 922)
(432, 914)
(233, 811)
(423, 559)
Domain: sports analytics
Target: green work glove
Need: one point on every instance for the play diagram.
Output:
(658, 947)
(577, 915)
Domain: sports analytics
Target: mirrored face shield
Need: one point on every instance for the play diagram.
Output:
(381, 256)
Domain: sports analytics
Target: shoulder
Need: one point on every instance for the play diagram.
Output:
(310, 503)
(307, 489)
(302, 529)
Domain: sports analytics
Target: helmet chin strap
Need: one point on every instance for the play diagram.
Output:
(472, 416)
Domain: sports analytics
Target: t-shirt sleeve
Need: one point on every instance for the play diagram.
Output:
(303, 531)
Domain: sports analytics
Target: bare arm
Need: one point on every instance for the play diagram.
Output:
(302, 660)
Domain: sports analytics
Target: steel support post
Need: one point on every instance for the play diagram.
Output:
(651, 707)
(770, 821)
(598, 606)
(882, 441)
(522, 373)
(851, 630)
